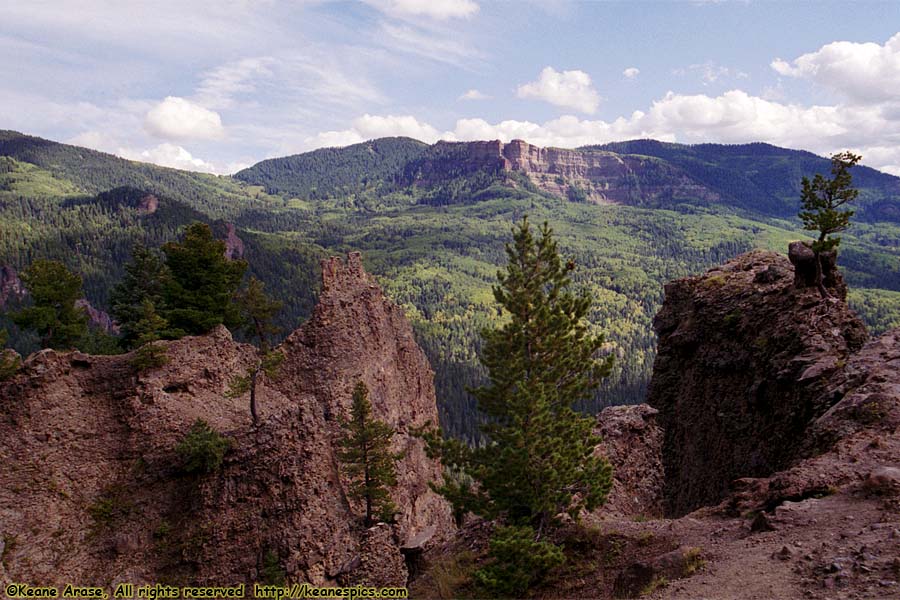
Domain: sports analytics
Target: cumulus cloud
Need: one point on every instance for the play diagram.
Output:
(474, 95)
(864, 72)
(178, 119)
(569, 89)
(433, 9)
(732, 117)
(369, 127)
(631, 72)
(168, 155)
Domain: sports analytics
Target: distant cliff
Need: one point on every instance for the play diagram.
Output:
(90, 486)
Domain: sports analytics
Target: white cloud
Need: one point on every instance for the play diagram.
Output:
(369, 127)
(178, 119)
(474, 95)
(631, 72)
(732, 117)
(864, 72)
(220, 85)
(569, 89)
(711, 72)
(429, 43)
(433, 9)
(168, 155)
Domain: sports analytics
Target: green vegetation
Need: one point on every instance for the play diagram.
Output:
(435, 243)
(822, 202)
(539, 460)
(203, 449)
(135, 300)
(272, 573)
(147, 330)
(202, 283)
(517, 561)
(367, 458)
(258, 311)
(53, 314)
(9, 361)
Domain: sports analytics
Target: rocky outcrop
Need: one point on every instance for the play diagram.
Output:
(98, 318)
(745, 359)
(11, 288)
(234, 246)
(632, 442)
(803, 258)
(90, 484)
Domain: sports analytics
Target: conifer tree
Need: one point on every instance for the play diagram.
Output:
(258, 313)
(148, 329)
(146, 276)
(539, 460)
(823, 203)
(198, 294)
(367, 458)
(53, 315)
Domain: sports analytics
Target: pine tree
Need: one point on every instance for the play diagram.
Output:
(539, 460)
(148, 329)
(258, 311)
(367, 458)
(198, 295)
(53, 315)
(146, 276)
(822, 207)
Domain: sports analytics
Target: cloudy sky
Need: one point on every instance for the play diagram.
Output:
(216, 85)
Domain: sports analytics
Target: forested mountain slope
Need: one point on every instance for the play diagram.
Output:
(431, 222)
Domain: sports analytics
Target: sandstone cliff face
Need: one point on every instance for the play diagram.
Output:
(597, 176)
(90, 488)
(744, 360)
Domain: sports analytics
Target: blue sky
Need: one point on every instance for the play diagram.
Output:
(217, 85)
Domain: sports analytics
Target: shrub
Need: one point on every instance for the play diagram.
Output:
(271, 572)
(202, 449)
(517, 561)
(149, 356)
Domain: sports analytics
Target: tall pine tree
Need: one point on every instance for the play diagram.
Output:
(145, 279)
(367, 458)
(198, 294)
(539, 461)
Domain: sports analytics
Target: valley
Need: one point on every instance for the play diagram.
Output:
(431, 222)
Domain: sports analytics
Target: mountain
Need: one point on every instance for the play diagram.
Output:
(431, 222)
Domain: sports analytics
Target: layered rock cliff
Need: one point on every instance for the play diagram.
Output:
(90, 484)
(744, 360)
(583, 174)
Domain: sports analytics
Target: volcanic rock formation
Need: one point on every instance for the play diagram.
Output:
(91, 488)
(743, 362)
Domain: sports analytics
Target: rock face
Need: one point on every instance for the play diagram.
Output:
(98, 318)
(583, 174)
(11, 287)
(234, 246)
(90, 484)
(744, 362)
(803, 258)
(632, 441)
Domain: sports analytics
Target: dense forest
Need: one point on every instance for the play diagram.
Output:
(435, 243)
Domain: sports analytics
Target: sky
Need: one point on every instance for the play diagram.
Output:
(217, 85)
